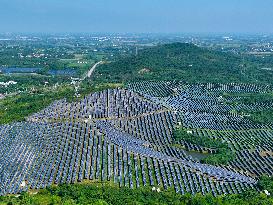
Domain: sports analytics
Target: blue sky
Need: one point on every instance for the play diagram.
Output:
(156, 16)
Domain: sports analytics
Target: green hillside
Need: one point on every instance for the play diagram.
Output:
(180, 61)
(105, 193)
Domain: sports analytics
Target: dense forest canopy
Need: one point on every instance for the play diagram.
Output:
(182, 61)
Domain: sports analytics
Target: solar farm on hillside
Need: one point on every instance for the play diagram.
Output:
(126, 136)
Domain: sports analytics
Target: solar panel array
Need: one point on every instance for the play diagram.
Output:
(125, 136)
(202, 109)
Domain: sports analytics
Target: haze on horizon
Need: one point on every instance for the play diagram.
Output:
(140, 16)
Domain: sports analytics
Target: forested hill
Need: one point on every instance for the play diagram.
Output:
(181, 61)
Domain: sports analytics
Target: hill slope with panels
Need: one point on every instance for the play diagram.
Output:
(202, 109)
(125, 136)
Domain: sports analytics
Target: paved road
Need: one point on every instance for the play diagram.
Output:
(89, 73)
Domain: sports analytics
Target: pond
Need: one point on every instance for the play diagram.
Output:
(67, 72)
(197, 155)
(19, 70)
(63, 72)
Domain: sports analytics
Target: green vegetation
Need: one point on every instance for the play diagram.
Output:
(260, 116)
(222, 156)
(47, 56)
(106, 193)
(223, 153)
(266, 183)
(16, 108)
(180, 61)
(181, 134)
(28, 81)
(264, 116)
(164, 62)
(250, 98)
